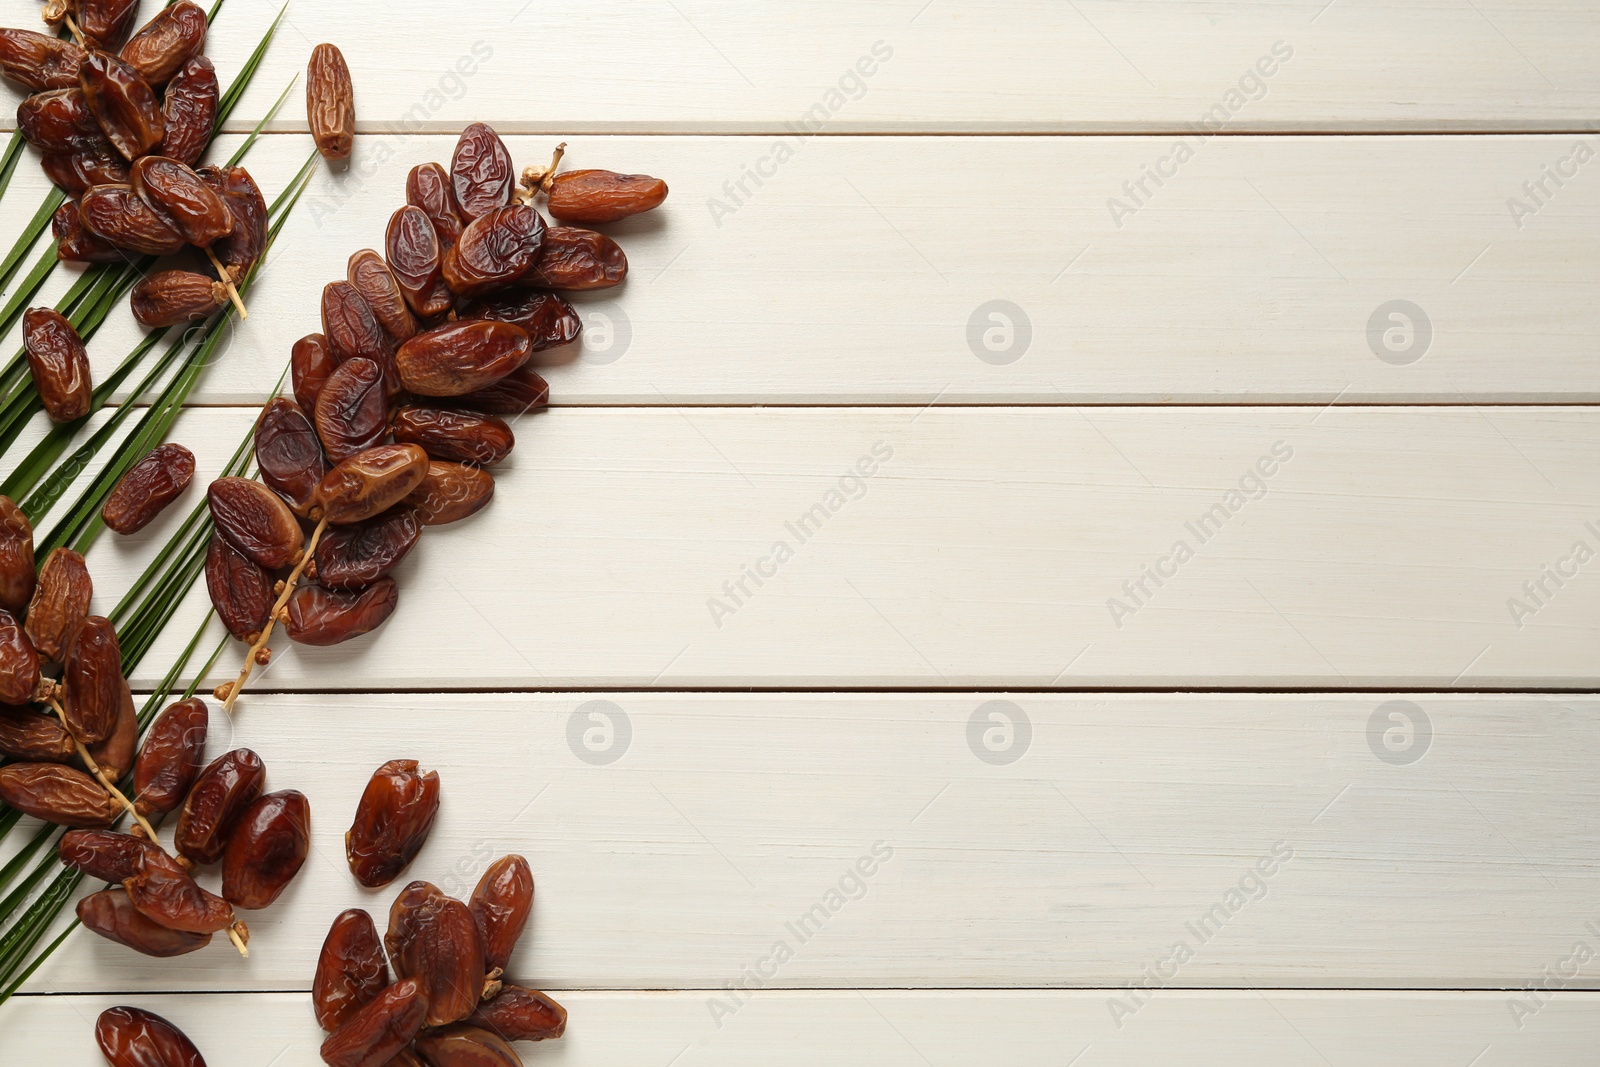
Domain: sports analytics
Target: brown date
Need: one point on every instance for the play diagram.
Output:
(228, 785)
(379, 1030)
(319, 616)
(392, 822)
(289, 454)
(174, 297)
(25, 734)
(255, 521)
(590, 196)
(497, 248)
(330, 102)
(149, 486)
(460, 357)
(371, 277)
(353, 557)
(76, 244)
(91, 678)
(351, 969)
(78, 172)
(58, 794)
(450, 491)
(311, 361)
(464, 1045)
(170, 758)
(549, 320)
(60, 603)
(189, 110)
(268, 847)
(433, 939)
(187, 204)
(454, 436)
(133, 1037)
(106, 23)
(17, 576)
(19, 661)
(112, 915)
(104, 855)
(163, 891)
(414, 254)
(500, 906)
(38, 60)
(59, 121)
(370, 482)
(114, 755)
(59, 363)
(243, 246)
(428, 188)
(352, 410)
(481, 173)
(353, 330)
(241, 590)
(127, 108)
(578, 259)
(165, 43)
(519, 1014)
(115, 213)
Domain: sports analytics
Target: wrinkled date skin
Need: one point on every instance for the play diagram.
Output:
(428, 188)
(351, 969)
(268, 848)
(187, 204)
(223, 790)
(590, 196)
(378, 1031)
(319, 616)
(500, 906)
(112, 915)
(115, 754)
(450, 492)
(454, 436)
(549, 320)
(464, 1045)
(174, 297)
(311, 361)
(60, 603)
(162, 891)
(127, 109)
(58, 794)
(481, 173)
(104, 855)
(370, 482)
(495, 250)
(59, 363)
(91, 675)
(106, 23)
(289, 453)
(519, 1014)
(240, 249)
(75, 243)
(19, 661)
(352, 409)
(26, 734)
(116, 214)
(59, 121)
(77, 172)
(241, 590)
(170, 758)
(189, 110)
(353, 557)
(167, 42)
(392, 822)
(17, 576)
(353, 331)
(39, 61)
(149, 486)
(461, 357)
(433, 939)
(330, 102)
(255, 521)
(578, 259)
(414, 256)
(133, 1037)
(371, 277)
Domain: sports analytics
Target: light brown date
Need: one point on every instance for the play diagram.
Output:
(185, 202)
(228, 785)
(500, 906)
(25, 734)
(174, 297)
(104, 855)
(115, 214)
(414, 256)
(91, 678)
(114, 754)
(168, 41)
(123, 103)
(578, 259)
(450, 492)
(380, 1029)
(149, 486)
(353, 557)
(428, 188)
(330, 102)
(189, 110)
(461, 357)
(255, 521)
(432, 938)
(60, 603)
(268, 847)
(17, 575)
(133, 1037)
(59, 794)
(454, 436)
(351, 969)
(497, 248)
(19, 661)
(289, 453)
(59, 121)
(170, 758)
(311, 361)
(163, 891)
(112, 915)
(319, 616)
(519, 1014)
(370, 482)
(241, 590)
(59, 363)
(75, 243)
(352, 409)
(481, 173)
(371, 277)
(549, 320)
(464, 1045)
(392, 822)
(591, 196)
(38, 60)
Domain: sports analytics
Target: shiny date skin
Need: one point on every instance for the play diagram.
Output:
(103, 855)
(185, 202)
(220, 794)
(58, 794)
(106, 23)
(59, 604)
(39, 61)
(91, 677)
(19, 660)
(352, 412)
(549, 319)
(454, 436)
(170, 758)
(168, 41)
(495, 250)
(379, 1030)
(353, 557)
(123, 103)
(351, 969)
(162, 891)
(59, 121)
(243, 246)
(268, 847)
(414, 255)
(289, 453)
(241, 590)
(311, 362)
(255, 521)
(174, 297)
(392, 823)
(370, 482)
(75, 243)
(189, 110)
(27, 735)
(432, 938)
(450, 492)
(462, 357)
(500, 906)
(464, 1045)
(78, 172)
(149, 486)
(353, 331)
(114, 754)
(593, 196)
(319, 616)
(330, 102)
(17, 575)
(112, 915)
(59, 363)
(133, 1037)
(428, 188)
(481, 173)
(370, 276)
(577, 260)
(519, 1014)
(115, 214)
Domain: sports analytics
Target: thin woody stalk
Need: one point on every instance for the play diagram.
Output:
(228, 692)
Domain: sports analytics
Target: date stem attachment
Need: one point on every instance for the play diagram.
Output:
(539, 179)
(253, 656)
(227, 279)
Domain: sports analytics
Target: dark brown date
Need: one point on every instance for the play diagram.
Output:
(461, 357)
(311, 361)
(174, 297)
(243, 246)
(428, 188)
(481, 173)
(189, 110)
(495, 250)
(590, 196)
(25, 734)
(91, 677)
(454, 436)
(167, 42)
(414, 255)
(170, 758)
(133, 1037)
(112, 915)
(241, 590)
(549, 320)
(353, 557)
(319, 616)
(330, 102)
(371, 277)
(149, 486)
(115, 213)
(59, 121)
(519, 1014)
(38, 60)
(578, 259)
(114, 755)
(379, 1030)
(255, 521)
(127, 108)
(19, 661)
(163, 891)
(500, 906)
(57, 793)
(370, 482)
(392, 822)
(353, 330)
(351, 969)
(106, 23)
(104, 855)
(268, 848)
(187, 204)
(450, 491)
(59, 363)
(463, 1045)
(352, 409)
(17, 576)
(78, 172)
(289, 453)
(228, 785)
(433, 939)
(59, 604)
(75, 243)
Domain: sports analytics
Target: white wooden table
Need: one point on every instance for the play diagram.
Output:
(1181, 672)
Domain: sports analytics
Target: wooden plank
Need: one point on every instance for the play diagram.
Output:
(883, 840)
(904, 1029)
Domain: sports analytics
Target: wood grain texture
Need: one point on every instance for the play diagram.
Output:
(903, 1029)
(677, 839)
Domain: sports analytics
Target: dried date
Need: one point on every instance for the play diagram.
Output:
(59, 794)
(464, 1045)
(27, 735)
(495, 250)
(17, 575)
(104, 855)
(255, 521)
(353, 330)
(59, 604)
(168, 41)
(351, 969)
(163, 891)
(330, 102)
(519, 1014)
(428, 188)
(59, 121)
(379, 1030)
(371, 277)
(432, 938)
(123, 103)
(170, 758)
(174, 297)
(228, 785)
(289, 453)
(268, 847)
(393, 819)
(133, 1037)
(454, 436)
(319, 616)
(189, 111)
(591, 196)
(245, 243)
(75, 243)
(311, 361)
(114, 755)
(112, 915)
(59, 363)
(116, 214)
(352, 409)
(19, 661)
(461, 357)
(241, 590)
(39, 61)
(481, 173)
(91, 678)
(353, 557)
(149, 486)
(370, 482)
(414, 256)
(106, 23)
(500, 906)
(185, 202)
(578, 259)
(449, 492)
(549, 320)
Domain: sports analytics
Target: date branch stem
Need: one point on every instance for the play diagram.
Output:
(227, 279)
(258, 650)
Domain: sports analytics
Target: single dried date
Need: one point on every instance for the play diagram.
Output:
(186, 203)
(549, 319)
(19, 660)
(450, 492)
(414, 255)
(454, 436)
(354, 332)
(269, 845)
(352, 409)
(319, 616)
(59, 121)
(311, 361)
(114, 754)
(112, 915)
(78, 172)
(495, 250)
(464, 1045)
(255, 520)
(500, 906)
(432, 938)
(370, 482)
(163, 891)
(481, 173)
(519, 1014)
(351, 969)
(170, 758)
(353, 557)
(27, 735)
(123, 103)
(106, 23)
(393, 819)
(59, 604)
(39, 61)
(133, 1037)
(59, 794)
(578, 259)
(17, 575)
(76, 243)
(428, 188)
(591, 196)
(104, 855)
(370, 276)
(189, 111)
(115, 213)
(379, 1030)
(461, 357)
(240, 588)
(91, 679)
(149, 486)
(174, 297)
(289, 453)
(330, 102)
(220, 794)
(244, 244)
(59, 363)
(168, 41)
